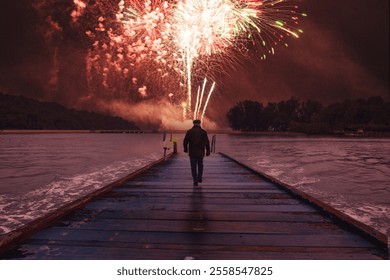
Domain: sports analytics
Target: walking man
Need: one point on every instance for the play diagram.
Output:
(197, 143)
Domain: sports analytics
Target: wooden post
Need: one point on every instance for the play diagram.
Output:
(213, 143)
(165, 151)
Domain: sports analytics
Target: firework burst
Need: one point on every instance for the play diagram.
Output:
(178, 42)
(207, 30)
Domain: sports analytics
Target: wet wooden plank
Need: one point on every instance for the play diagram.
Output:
(139, 205)
(234, 215)
(209, 195)
(210, 183)
(209, 189)
(122, 251)
(348, 240)
(146, 199)
(187, 215)
(205, 247)
(192, 225)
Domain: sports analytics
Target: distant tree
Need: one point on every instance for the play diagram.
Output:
(371, 114)
(269, 116)
(287, 112)
(375, 101)
(289, 107)
(246, 116)
(309, 110)
(235, 119)
(18, 112)
(378, 111)
(386, 113)
(333, 114)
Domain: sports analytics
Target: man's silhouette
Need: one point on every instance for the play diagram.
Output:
(196, 142)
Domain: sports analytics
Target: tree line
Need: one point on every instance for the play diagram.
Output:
(312, 117)
(18, 112)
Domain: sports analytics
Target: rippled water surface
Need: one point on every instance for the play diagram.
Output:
(351, 174)
(40, 172)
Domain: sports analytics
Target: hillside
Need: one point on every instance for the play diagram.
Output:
(17, 112)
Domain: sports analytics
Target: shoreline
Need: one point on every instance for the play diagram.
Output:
(48, 131)
(210, 131)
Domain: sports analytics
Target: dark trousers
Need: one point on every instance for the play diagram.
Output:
(196, 168)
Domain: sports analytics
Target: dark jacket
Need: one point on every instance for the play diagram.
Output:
(197, 140)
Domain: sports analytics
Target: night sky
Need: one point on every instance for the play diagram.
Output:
(342, 54)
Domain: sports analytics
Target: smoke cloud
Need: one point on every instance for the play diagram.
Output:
(152, 114)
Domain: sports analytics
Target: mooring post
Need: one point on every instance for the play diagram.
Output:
(165, 151)
(213, 143)
(174, 140)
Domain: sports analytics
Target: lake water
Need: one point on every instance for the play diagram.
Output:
(41, 172)
(351, 174)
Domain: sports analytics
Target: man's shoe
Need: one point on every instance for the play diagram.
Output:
(200, 180)
(195, 183)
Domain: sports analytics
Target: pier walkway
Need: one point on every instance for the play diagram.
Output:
(234, 214)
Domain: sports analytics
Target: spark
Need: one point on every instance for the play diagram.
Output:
(79, 9)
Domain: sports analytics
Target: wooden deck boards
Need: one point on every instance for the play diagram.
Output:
(235, 214)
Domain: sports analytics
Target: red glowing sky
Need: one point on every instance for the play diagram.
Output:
(343, 53)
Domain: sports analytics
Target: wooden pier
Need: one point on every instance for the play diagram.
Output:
(233, 214)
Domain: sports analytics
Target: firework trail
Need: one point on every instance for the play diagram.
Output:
(197, 103)
(199, 100)
(207, 100)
